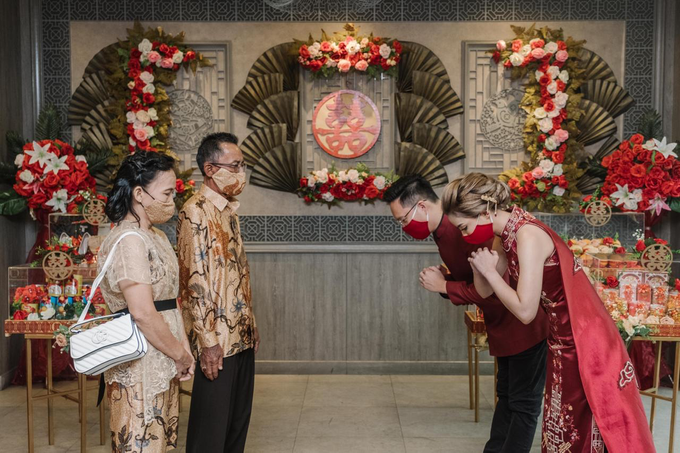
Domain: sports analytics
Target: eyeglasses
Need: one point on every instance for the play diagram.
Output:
(234, 168)
(404, 220)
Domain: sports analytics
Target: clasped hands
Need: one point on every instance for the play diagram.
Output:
(484, 261)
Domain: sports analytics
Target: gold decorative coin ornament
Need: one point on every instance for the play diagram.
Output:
(93, 212)
(598, 213)
(657, 258)
(58, 265)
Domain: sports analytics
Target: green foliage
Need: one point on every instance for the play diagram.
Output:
(98, 159)
(11, 203)
(48, 126)
(15, 142)
(650, 125)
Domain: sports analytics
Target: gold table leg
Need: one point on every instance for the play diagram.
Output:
(674, 401)
(655, 387)
(29, 395)
(476, 385)
(50, 405)
(471, 383)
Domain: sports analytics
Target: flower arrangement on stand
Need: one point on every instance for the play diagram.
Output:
(146, 62)
(70, 245)
(347, 51)
(547, 181)
(642, 176)
(330, 186)
(185, 187)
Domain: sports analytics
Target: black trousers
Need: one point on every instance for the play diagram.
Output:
(220, 409)
(521, 380)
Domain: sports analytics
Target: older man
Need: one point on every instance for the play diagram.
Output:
(216, 301)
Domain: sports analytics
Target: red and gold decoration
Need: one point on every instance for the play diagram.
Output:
(346, 124)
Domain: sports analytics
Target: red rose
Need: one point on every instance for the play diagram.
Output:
(149, 98)
(496, 57)
(624, 145)
(507, 64)
(637, 139)
(640, 246)
(607, 241)
(135, 53)
(638, 170)
(190, 55)
(164, 48)
(307, 199)
(667, 187)
(134, 64)
(179, 186)
(20, 315)
(516, 45)
(134, 73)
(612, 282)
(657, 173)
(558, 157)
(560, 85)
(324, 188)
(644, 156)
(620, 250)
(676, 189)
(541, 138)
(677, 284)
(371, 192)
(549, 106)
(513, 183)
(606, 161)
(51, 180)
(545, 80)
(538, 43)
(304, 52)
(315, 65)
(304, 182)
(527, 177)
(561, 45)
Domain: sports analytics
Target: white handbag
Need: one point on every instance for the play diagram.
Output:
(117, 340)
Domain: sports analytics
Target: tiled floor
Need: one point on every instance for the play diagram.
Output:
(309, 414)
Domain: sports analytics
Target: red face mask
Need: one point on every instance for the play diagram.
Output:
(481, 233)
(417, 229)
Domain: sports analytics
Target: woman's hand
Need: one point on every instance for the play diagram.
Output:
(432, 279)
(484, 261)
(185, 365)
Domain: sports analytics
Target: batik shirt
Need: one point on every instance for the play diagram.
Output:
(214, 275)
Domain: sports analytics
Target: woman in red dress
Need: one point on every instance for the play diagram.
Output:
(591, 397)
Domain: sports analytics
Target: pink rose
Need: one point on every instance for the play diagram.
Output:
(561, 135)
(562, 55)
(361, 65)
(166, 63)
(344, 65)
(501, 46)
(325, 47)
(140, 134)
(537, 173)
(154, 56)
(538, 53)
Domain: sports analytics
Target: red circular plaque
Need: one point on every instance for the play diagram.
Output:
(346, 124)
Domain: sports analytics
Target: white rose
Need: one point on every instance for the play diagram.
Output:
(559, 191)
(131, 117)
(547, 165)
(564, 76)
(314, 50)
(138, 124)
(342, 176)
(385, 50)
(354, 47)
(149, 131)
(553, 72)
(551, 47)
(353, 176)
(379, 182)
(19, 160)
(551, 144)
(561, 99)
(331, 63)
(516, 59)
(146, 77)
(26, 176)
(143, 116)
(328, 197)
(555, 112)
(131, 85)
(392, 62)
(144, 46)
(81, 159)
(552, 88)
(178, 57)
(311, 182)
(557, 170)
(322, 177)
(150, 88)
(334, 46)
(545, 125)
(132, 142)
(525, 50)
(628, 327)
(364, 42)
(153, 114)
(538, 74)
(540, 113)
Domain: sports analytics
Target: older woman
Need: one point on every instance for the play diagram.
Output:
(143, 278)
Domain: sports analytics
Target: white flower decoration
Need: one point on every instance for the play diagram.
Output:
(58, 201)
(624, 197)
(146, 77)
(56, 164)
(560, 99)
(149, 131)
(516, 59)
(145, 46)
(665, 149)
(379, 182)
(558, 170)
(131, 117)
(26, 176)
(149, 88)
(559, 191)
(553, 72)
(547, 165)
(354, 47)
(353, 175)
(143, 116)
(564, 76)
(328, 197)
(81, 159)
(555, 112)
(385, 50)
(152, 114)
(525, 50)
(19, 160)
(552, 88)
(540, 113)
(178, 57)
(551, 144)
(538, 74)
(658, 204)
(39, 154)
(551, 47)
(545, 125)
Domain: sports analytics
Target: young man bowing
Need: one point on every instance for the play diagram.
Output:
(520, 349)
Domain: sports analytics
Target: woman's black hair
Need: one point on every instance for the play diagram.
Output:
(137, 169)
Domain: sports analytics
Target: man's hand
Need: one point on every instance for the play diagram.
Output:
(432, 280)
(211, 361)
(256, 340)
(484, 261)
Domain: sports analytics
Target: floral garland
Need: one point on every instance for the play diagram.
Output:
(330, 186)
(145, 62)
(343, 52)
(547, 181)
(51, 178)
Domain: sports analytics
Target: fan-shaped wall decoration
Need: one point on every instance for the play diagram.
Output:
(91, 92)
(416, 160)
(608, 147)
(595, 67)
(257, 90)
(595, 173)
(611, 96)
(99, 135)
(101, 60)
(416, 57)
(260, 142)
(439, 91)
(280, 108)
(279, 169)
(278, 59)
(411, 109)
(595, 124)
(439, 142)
(99, 114)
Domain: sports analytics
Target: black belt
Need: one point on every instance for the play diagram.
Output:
(161, 305)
